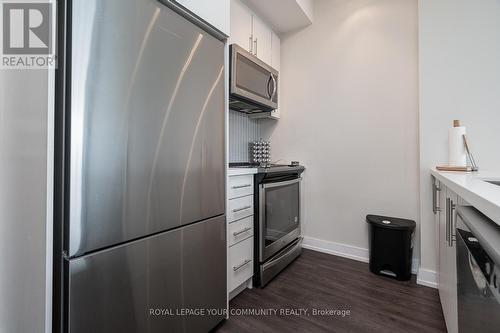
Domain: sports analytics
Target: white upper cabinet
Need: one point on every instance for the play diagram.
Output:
(241, 26)
(250, 32)
(262, 37)
(215, 12)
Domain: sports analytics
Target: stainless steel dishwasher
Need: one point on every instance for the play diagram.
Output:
(478, 269)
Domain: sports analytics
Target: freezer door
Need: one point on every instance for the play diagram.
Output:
(145, 285)
(147, 123)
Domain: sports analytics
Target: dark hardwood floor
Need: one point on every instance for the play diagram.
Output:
(322, 281)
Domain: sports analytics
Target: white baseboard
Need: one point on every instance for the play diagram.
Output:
(338, 249)
(424, 277)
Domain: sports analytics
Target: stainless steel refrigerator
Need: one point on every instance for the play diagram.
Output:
(142, 170)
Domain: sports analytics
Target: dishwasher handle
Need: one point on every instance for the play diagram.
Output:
(478, 258)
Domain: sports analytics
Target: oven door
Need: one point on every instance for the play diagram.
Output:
(253, 80)
(279, 216)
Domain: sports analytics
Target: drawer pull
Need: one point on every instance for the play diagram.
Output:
(243, 264)
(240, 186)
(237, 233)
(240, 209)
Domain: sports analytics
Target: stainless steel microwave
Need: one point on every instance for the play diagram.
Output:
(253, 84)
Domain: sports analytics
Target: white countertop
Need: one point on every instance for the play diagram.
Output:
(472, 188)
(241, 171)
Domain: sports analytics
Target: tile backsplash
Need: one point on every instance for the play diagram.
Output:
(242, 131)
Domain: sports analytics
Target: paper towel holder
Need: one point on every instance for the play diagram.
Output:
(473, 163)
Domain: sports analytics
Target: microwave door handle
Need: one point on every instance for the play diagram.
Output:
(269, 92)
(275, 87)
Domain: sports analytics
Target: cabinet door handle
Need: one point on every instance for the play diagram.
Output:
(435, 198)
(250, 46)
(240, 186)
(447, 219)
(452, 236)
(240, 209)
(256, 43)
(243, 264)
(237, 233)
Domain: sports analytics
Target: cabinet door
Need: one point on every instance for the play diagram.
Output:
(447, 274)
(215, 12)
(241, 25)
(451, 267)
(438, 219)
(262, 37)
(442, 244)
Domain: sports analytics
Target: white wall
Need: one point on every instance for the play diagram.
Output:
(25, 235)
(459, 79)
(350, 114)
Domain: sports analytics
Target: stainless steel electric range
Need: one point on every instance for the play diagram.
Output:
(277, 219)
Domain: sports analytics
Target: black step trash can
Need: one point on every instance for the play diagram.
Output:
(391, 246)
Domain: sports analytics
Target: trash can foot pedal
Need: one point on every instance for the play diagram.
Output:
(388, 273)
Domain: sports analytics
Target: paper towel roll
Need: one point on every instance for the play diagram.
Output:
(457, 155)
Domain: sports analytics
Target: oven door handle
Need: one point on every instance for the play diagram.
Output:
(285, 183)
(285, 253)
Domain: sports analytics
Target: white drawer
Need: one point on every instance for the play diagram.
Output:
(240, 264)
(239, 208)
(240, 230)
(240, 186)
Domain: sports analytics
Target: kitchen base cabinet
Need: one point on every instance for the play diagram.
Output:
(445, 202)
(240, 263)
(240, 232)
